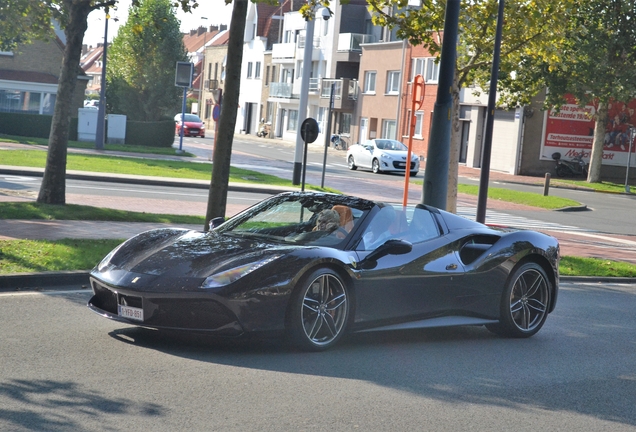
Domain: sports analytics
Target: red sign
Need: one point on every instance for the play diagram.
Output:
(571, 131)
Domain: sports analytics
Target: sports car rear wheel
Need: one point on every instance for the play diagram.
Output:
(524, 306)
(319, 311)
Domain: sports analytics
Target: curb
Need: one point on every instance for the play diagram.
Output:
(582, 207)
(141, 180)
(31, 281)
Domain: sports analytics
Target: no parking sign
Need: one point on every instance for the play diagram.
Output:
(216, 112)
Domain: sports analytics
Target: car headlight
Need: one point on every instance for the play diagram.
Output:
(232, 275)
(385, 156)
(105, 264)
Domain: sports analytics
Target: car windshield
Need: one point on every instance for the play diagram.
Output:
(192, 118)
(386, 144)
(300, 219)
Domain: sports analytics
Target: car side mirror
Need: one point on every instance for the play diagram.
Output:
(389, 247)
(215, 222)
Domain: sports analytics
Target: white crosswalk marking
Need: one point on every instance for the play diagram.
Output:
(503, 219)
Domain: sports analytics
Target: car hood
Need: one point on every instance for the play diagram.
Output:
(193, 124)
(190, 253)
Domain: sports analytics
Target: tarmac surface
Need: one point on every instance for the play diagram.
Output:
(584, 244)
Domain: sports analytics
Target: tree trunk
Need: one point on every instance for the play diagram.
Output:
(455, 141)
(596, 157)
(217, 197)
(53, 187)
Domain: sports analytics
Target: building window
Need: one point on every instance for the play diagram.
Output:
(216, 70)
(299, 69)
(266, 76)
(345, 123)
(419, 122)
(292, 123)
(249, 69)
(274, 74)
(388, 129)
(393, 82)
(432, 71)
(27, 102)
(418, 67)
(369, 82)
(257, 70)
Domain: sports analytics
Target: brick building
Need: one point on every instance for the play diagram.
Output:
(29, 77)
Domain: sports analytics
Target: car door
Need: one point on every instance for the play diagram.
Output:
(424, 282)
(416, 285)
(366, 154)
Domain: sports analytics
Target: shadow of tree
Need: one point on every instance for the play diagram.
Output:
(47, 405)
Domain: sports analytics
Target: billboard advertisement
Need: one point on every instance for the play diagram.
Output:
(570, 131)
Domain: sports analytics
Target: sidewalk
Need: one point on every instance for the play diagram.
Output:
(584, 244)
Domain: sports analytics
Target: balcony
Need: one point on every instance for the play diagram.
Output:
(280, 90)
(352, 41)
(314, 85)
(283, 52)
(345, 93)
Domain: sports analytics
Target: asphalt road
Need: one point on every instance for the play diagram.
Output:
(64, 368)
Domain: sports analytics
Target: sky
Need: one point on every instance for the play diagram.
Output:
(216, 12)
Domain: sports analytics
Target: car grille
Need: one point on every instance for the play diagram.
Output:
(401, 165)
(194, 314)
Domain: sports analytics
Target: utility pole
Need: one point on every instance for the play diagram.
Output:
(438, 156)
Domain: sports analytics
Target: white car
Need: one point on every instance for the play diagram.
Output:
(381, 155)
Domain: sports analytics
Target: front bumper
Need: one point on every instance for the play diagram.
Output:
(165, 310)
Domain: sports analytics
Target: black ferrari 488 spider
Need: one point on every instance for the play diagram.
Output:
(316, 266)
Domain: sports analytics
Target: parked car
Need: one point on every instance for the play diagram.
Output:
(91, 103)
(315, 266)
(194, 126)
(381, 155)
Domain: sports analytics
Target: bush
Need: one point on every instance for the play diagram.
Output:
(150, 134)
(32, 125)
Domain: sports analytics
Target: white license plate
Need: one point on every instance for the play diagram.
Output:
(130, 312)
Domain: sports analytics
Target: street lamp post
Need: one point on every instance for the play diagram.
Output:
(304, 92)
(101, 109)
(202, 73)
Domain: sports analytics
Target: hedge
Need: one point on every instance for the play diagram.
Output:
(151, 134)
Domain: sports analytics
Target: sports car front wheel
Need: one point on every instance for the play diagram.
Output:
(319, 311)
(524, 306)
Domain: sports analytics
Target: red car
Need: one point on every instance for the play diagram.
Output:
(193, 125)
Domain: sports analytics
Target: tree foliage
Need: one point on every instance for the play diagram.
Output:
(533, 29)
(141, 63)
(23, 20)
(597, 64)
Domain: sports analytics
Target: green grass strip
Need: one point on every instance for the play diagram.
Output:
(517, 197)
(143, 167)
(579, 266)
(124, 148)
(33, 210)
(20, 256)
(603, 186)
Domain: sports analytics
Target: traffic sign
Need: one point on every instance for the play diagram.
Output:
(216, 112)
(309, 130)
